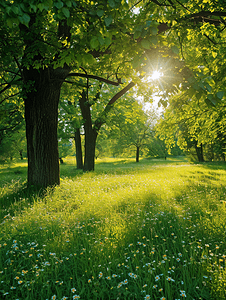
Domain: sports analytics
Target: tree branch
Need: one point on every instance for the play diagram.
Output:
(158, 3)
(121, 93)
(182, 5)
(102, 118)
(135, 5)
(205, 16)
(204, 13)
(12, 127)
(76, 83)
(94, 77)
(8, 97)
(9, 84)
(212, 41)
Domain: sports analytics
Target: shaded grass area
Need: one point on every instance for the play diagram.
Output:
(154, 230)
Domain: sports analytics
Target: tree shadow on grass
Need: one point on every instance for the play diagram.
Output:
(91, 239)
(215, 165)
(146, 223)
(11, 174)
(18, 197)
(120, 167)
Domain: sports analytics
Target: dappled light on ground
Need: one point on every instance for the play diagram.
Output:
(151, 231)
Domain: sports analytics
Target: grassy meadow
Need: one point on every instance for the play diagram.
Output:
(152, 230)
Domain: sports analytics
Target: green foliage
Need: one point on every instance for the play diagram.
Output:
(12, 129)
(125, 231)
(194, 127)
(65, 148)
(129, 125)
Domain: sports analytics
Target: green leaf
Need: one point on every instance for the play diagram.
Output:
(175, 50)
(100, 12)
(153, 40)
(101, 40)
(34, 7)
(68, 59)
(191, 92)
(9, 22)
(94, 43)
(88, 58)
(108, 20)
(66, 12)
(40, 6)
(136, 62)
(209, 103)
(145, 44)
(15, 9)
(220, 95)
(79, 59)
(23, 7)
(111, 3)
(107, 41)
(25, 19)
(8, 9)
(137, 34)
(59, 4)
(154, 30)
(148, 23)
(211, 98)
(208, 87)
(202, 86)
(93, 12)
(68, 3)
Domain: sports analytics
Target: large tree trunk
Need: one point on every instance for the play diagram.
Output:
(78, 147)
(41, 116)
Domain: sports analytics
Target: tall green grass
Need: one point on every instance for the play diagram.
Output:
(153, 230)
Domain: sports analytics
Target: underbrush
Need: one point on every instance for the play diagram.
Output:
(156, 231)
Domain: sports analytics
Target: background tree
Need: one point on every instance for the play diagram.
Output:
(130, 126)
(200, 131)
(65, 149)
(12, 130)
(70, 124)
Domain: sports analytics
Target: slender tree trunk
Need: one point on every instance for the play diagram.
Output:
(90, 133)
(21, 154)
(78, 147)
(90, 146)
(42, 93)
(137, 154)
(199, 152)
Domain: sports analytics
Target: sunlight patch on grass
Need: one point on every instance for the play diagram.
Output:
(153, 230)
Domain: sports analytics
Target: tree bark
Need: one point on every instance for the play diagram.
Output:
(90, 146)
(199, 152)
(137, 154)
(41, 98)
(90, 133)
(78, 147)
